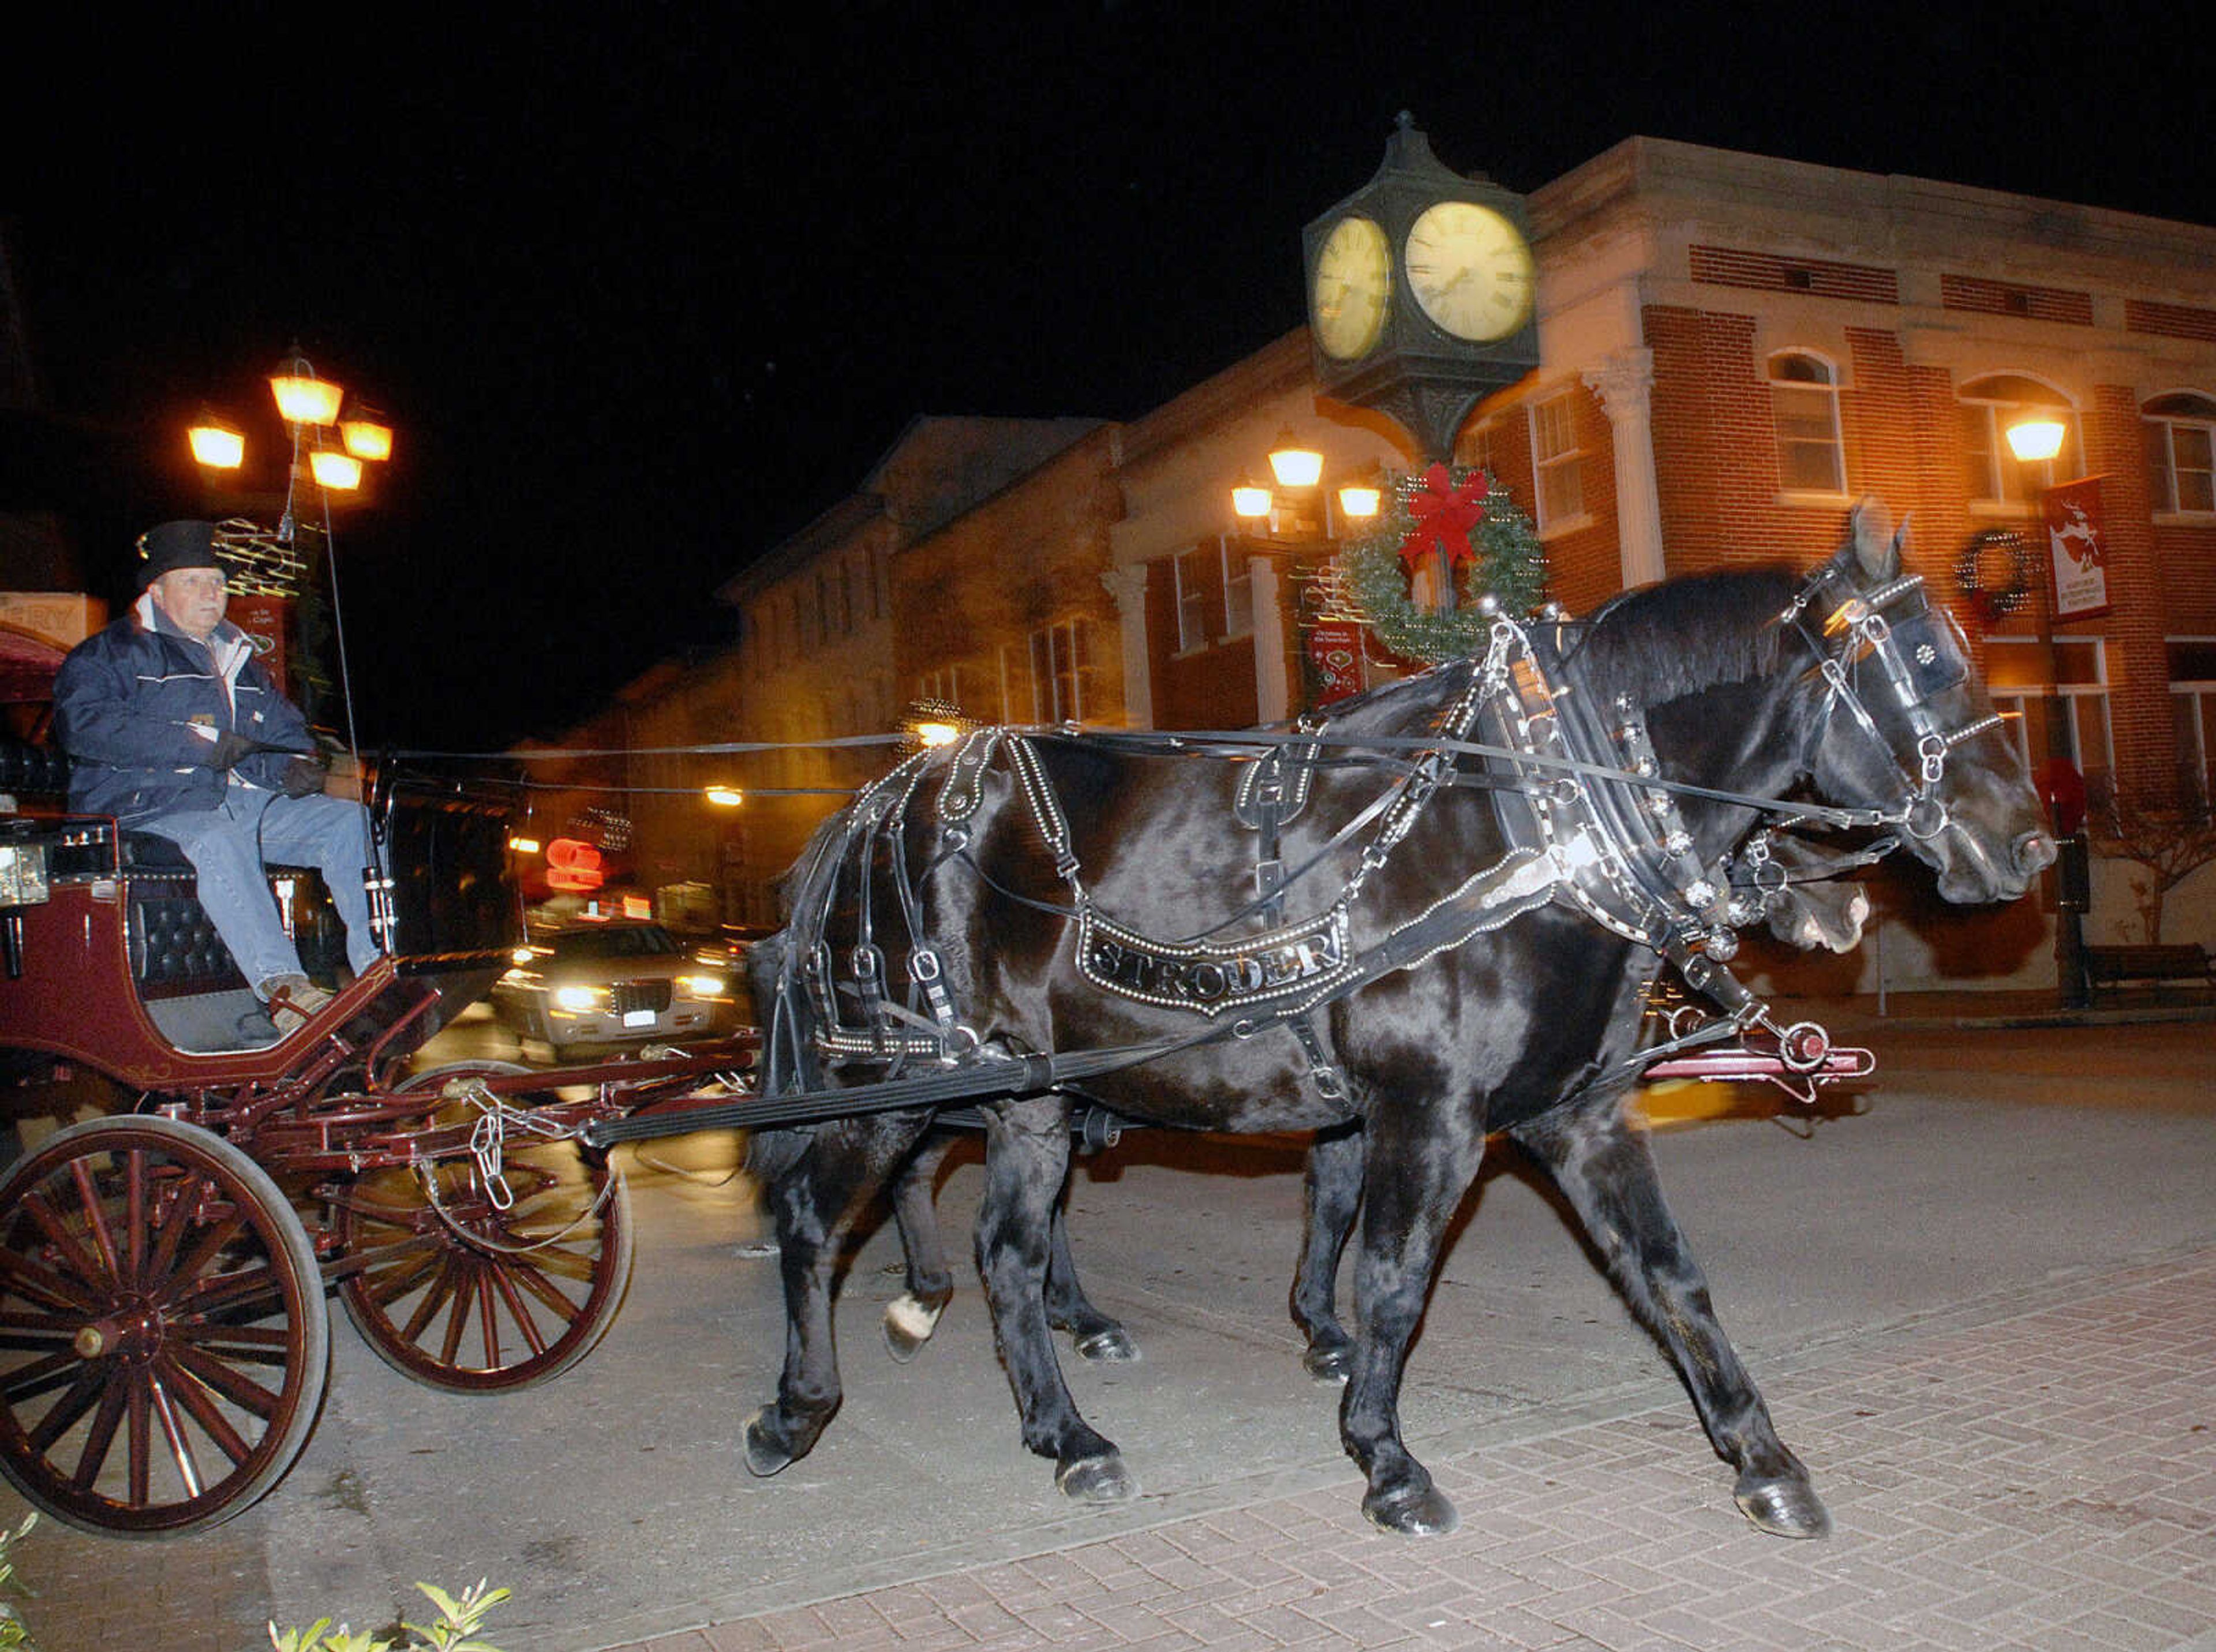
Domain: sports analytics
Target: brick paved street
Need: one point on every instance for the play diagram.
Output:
(2034, 1474)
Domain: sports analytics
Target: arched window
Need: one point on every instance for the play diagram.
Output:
(1804, 401)
(2180, 440)
(1990, 406)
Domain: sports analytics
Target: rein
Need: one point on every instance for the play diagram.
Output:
(1590, 820)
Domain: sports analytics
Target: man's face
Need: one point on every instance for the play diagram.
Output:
(193, 599)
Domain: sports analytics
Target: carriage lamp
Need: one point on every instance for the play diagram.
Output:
(1359, 500)
(23, 875)
(1250, 500)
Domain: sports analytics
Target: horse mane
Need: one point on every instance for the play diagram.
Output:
(1667, 641)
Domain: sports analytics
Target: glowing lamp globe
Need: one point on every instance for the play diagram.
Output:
(367, 438)
(2034, 440)
(1251, 501)
(303, 399)
(1294, 466)
(217, 446)
(340, 472)
(1358, 502)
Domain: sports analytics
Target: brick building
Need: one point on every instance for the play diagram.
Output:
(1732, 348)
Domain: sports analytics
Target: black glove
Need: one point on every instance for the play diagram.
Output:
(303, 777)
(228, 749)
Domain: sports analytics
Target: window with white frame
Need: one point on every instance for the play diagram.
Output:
(1993, 475)
(2018, 678)
(1474, 446)
(1558, 463)
(1060, 665)
(2181, 442)
(1211, 586)
(2193, 712)
(1804, 406)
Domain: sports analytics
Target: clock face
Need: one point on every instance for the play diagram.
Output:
(1353, 284)
(1470, 271)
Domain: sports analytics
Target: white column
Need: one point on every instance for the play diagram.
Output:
(1127, 585)
(1625, 384)
(1273, 693)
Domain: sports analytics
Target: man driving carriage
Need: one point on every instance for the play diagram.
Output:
(173, 727)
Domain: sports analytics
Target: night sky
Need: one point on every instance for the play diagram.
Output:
(644, 290)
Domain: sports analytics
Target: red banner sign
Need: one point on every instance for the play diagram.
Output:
(1335, 652)
(266, 620)
(2078, 548)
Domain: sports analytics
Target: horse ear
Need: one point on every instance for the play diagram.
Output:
(1877, 547)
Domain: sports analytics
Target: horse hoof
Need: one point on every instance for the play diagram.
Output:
(908, 1325)
(1426, 1511)
(1782, 1507)
(1096, 1480)
(764, 1455)
(1328, 1363)
(1111, 1346)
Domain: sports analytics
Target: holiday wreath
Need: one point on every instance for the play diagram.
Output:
(1487, 546)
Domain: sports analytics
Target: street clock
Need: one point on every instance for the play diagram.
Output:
(1421, 293)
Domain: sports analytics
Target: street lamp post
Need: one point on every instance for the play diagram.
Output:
(2037, 440)
(1291, 524)
(328, 441)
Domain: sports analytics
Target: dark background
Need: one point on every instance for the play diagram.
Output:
(644, 293)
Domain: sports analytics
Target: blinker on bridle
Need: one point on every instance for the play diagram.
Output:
(1922, 654)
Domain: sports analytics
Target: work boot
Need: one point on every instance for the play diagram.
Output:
(292, 1000)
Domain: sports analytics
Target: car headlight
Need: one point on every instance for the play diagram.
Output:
(701, 986)
(577, 998)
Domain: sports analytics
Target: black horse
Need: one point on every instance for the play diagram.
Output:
(1451, 982)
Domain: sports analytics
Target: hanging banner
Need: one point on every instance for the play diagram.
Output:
(268, 622)
(1335, 654)
(2078, 548)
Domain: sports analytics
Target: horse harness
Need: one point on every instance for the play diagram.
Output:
(1589, 822)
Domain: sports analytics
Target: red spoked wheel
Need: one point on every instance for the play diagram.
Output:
(163, 1342)
(467, 1292)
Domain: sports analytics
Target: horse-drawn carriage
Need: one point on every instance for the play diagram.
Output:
(1436, 918)
(163, 1270)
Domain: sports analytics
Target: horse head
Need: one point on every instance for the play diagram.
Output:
(1907, 726)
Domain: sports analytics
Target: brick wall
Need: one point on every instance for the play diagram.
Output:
(2139, 672)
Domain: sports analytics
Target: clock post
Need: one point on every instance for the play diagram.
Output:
(1421, 297)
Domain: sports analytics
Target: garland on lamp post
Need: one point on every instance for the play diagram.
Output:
(1483, 543)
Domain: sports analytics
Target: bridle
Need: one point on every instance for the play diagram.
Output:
(1920, 653)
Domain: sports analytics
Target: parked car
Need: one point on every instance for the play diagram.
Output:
(612, 984)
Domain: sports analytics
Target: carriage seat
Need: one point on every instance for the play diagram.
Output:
(175, 948)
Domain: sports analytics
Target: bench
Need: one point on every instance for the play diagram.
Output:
(2113, 966)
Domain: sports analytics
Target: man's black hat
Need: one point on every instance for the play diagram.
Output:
(173, 545)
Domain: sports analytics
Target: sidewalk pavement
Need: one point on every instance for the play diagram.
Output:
(2037, 1472)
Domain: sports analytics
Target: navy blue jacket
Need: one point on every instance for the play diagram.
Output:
(126, 702)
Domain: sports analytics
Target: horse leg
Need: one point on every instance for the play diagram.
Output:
(1606, 1171)
(912, 1316)
(1331, 1191)
(1418, 1170)
(1026, 1158)
(1093, 1333)
(817, 1180)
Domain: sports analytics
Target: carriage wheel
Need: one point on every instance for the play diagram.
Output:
(469, 1296)
(163, 1342)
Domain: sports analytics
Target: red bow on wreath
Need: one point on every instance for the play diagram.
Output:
(1445, 515)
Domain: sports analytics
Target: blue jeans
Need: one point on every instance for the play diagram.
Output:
(228, 847)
